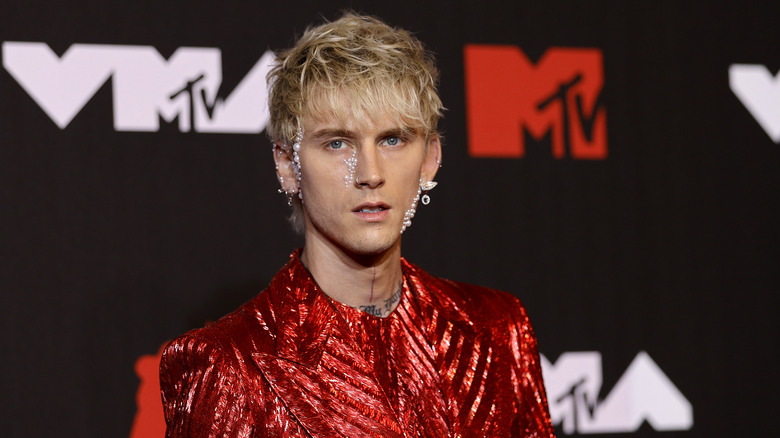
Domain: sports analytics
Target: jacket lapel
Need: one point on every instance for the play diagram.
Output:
(471, 361)
(317, 369)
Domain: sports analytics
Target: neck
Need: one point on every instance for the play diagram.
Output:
(371, 283)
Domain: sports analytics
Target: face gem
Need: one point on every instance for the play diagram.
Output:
(349, 178)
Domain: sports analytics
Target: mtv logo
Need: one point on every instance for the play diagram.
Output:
(507, 94)
(145, 86)
(643, 393)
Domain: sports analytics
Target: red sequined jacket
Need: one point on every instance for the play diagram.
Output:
(451, 360)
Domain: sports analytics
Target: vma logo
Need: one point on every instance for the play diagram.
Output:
(759, 91)
(643, 393)
(149, 418)
(146, 87)
(507, 96)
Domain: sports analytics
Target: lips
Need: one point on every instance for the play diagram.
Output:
(372, 211)
(371, 207)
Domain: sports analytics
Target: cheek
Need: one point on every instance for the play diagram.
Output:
(410, 181)
(329, 168)
(318, 174)
(323, 187)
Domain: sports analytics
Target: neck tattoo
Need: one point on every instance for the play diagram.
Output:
(388, 306)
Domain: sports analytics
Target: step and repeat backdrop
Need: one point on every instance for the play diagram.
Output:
(614, 164)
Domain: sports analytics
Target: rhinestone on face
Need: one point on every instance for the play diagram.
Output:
(351, 169)
(297, 160)
(410, 213)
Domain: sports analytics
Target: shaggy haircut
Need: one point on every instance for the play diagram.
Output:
(376, 69)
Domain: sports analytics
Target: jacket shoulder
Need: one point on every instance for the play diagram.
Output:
(480, 306)
(248, 328)
(484, 304)
(203, 384)
(204, 375)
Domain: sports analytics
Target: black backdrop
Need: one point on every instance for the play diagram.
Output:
(113, 242)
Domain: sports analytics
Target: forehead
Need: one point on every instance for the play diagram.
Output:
(358, 110)
(333, 122)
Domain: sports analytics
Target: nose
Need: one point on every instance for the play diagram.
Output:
(369, 169)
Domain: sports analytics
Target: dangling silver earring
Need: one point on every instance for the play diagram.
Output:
(426, 187)
(288, 195)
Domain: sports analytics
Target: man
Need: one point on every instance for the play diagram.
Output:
(349, 339)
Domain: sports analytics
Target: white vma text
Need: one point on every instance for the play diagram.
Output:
(643, 393)
(145, 86)
(759, 91)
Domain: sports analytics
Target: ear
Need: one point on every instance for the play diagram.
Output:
(284, 169)
(432, 159)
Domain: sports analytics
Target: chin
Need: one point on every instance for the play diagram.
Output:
(373, 244)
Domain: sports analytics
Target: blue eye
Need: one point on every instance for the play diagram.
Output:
(393, 141)
(336, 144)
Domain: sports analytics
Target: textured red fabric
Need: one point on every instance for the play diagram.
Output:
(451, 360)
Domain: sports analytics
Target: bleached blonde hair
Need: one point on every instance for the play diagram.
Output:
(376, 69)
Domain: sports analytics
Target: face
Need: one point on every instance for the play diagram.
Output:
(359, 180)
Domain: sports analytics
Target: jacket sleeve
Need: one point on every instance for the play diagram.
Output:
(201, 393)
(529, 384)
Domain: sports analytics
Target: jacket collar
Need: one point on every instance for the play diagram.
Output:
(305, 317)
(428, 290)
(341, 401)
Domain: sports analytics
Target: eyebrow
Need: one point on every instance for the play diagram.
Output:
(329, 132)
(346, 133)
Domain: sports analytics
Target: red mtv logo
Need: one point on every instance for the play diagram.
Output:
(149, 420)
(560, 95)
